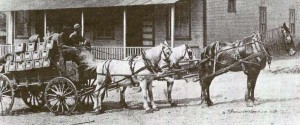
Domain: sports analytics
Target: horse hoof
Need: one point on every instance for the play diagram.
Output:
(97, 112)
(149, 111)
(250, 104)
(156, 109)
(173, 104)
(204, 105)
(210, 103)
(124, 105)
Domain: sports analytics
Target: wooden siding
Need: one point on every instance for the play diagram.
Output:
(230, 26)
(278, 12)
(222, 25)
(196, 24)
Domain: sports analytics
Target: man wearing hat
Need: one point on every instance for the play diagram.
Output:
(76, 37)
(69, 42)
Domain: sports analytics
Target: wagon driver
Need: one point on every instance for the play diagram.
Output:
(69, 45)
(75, 38)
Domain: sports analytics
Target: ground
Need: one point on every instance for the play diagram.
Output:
(277, 92)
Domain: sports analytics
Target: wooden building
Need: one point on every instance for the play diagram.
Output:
(118, 27)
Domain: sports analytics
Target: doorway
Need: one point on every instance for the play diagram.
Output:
(140, 26)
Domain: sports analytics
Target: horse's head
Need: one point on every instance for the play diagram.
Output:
(180, 52)
(288, 40)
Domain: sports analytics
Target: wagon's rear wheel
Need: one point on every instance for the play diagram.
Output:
(61, 96)
(87, 92)
(6, 95)
(33, 96)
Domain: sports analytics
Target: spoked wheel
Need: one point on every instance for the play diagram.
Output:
(61, 96)
(6, 95)
(87, 92)
(33, 97)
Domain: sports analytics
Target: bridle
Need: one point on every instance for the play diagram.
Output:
(166, 54)
(188, 51)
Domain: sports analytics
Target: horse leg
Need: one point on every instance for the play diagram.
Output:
(150, 92)
(98, 97)
(122, 97)
(209, 102)
(170, 83)
(251, 82)
(253, 88)
(205, 99)
(144, 88)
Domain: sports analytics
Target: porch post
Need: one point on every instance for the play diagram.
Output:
(172, 24)
(82, 23)
(124, 32)
(10, 28)
(45, 23)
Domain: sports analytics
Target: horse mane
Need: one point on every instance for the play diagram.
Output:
(208, 50)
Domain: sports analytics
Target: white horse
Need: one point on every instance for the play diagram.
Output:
(178, 53)
(117, 73)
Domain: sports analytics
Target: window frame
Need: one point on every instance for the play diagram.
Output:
(17, 36)
(98, 24)
(231, 6)
(292, 19)
(262, 19)
(168, 21)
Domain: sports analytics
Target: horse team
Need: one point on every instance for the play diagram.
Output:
(249, 55)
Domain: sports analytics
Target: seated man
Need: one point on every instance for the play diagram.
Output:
(75, 38)
(69, 50)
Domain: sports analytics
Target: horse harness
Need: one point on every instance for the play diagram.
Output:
(217, 49)
(148, 65)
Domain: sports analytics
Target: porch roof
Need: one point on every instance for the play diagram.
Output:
(16, 5)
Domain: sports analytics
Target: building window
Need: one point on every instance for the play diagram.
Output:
(22, 24)
(292, 21)
(2, 27)
(262, 19)
(231, 5)
(182, 20)
(104, 26)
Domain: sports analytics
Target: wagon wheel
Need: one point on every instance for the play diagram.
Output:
(87, 92)
(33, 97)
(61, 96)
(6, 95)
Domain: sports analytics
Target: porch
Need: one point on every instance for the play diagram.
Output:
(117, 29)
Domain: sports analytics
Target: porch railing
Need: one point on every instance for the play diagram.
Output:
(135, 50)
(118, 52)
(108, 52)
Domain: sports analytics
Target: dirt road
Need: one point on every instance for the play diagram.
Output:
(277, 92)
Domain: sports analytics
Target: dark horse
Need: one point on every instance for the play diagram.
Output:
(223, 56)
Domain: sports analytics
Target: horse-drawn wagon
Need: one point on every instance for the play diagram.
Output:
(38, 73)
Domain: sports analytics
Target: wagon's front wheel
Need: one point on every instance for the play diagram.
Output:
(61, 96)
(87, 92)
(6, 95)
